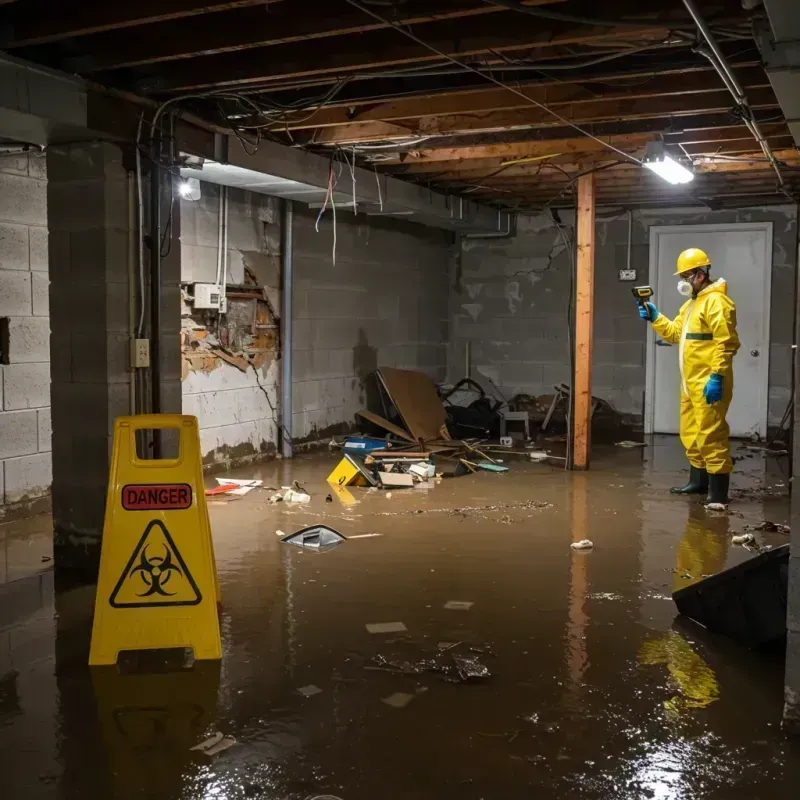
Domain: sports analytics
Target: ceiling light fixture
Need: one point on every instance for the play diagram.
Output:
(189, 189)
(664, 165)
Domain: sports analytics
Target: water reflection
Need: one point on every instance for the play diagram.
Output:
(149, 722)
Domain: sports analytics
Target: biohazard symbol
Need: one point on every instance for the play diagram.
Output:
(155, 575)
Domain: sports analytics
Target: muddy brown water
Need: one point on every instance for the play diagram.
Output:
(594, 690)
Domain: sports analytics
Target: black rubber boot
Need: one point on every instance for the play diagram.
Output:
(698, 482)
(718, 489)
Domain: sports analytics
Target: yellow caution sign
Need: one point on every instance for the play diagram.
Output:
(158, 585)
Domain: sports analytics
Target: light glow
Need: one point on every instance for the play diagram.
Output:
(666, 167)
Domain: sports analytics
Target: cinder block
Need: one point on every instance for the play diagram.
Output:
(40, 293)
(37, 166)
(23, 199)
(29, 340)
(198, 264)
(14, 247)
(235, 267)
(216, 408)
(18, 433)
(45, 434)
(14, 164)
(39, 245)
(254, 405)
(28, 476)
(83, 161)
(15, 293)
(26, 386)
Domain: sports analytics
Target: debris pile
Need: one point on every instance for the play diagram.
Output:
(418, 448)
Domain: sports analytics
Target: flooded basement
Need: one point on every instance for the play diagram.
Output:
(521, 668)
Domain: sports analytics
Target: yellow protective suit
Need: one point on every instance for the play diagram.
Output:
(706, 330)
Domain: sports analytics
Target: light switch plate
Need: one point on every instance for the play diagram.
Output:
(627, 274)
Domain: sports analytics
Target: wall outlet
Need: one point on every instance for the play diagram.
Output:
(627, 274)
(140, 353)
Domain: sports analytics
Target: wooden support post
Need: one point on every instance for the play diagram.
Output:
(584, 321)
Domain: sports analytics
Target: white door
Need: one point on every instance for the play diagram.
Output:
(742, 254)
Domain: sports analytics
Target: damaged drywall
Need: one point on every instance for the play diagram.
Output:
(230, 360)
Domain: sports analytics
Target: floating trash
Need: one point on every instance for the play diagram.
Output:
(318, 538)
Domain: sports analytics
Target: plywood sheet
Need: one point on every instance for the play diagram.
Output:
(386, 425)
(415, 398)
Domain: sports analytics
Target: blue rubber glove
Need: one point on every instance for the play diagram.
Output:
(649, 312)
(713, 389)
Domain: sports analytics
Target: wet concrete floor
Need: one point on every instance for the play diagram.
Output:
(594, 691)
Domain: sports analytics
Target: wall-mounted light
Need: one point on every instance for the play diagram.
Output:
(664, 165)
(189, 189)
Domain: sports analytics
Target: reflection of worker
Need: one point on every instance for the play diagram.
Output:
(696, 682)
(702, 549)
(706, 329)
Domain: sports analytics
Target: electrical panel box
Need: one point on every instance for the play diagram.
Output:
(208, 296)
(140, 353)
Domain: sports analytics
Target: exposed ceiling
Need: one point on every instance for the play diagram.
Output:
(459, 95)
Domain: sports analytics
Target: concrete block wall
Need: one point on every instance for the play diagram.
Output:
(509, 300)
(383, 303)
(25, 459)
(236, 410)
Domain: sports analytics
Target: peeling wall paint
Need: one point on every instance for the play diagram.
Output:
(234, 394)
(518, 330)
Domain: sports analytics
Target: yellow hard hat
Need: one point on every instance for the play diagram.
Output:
(692, 259)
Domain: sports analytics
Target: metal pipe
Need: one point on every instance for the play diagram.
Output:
(630, 236)
(720, 64)
(509, 233)
(287, 282)
(132, 266)
(155, 295)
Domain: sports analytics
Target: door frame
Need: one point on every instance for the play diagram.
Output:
(650, 370)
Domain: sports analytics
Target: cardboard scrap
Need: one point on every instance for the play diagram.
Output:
(398, 699)
(396, 479)
(386, 627)
(458, 605)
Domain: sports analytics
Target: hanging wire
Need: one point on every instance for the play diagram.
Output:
(494, 80)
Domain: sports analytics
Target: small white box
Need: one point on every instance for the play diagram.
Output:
(207, 295)
(627, 274)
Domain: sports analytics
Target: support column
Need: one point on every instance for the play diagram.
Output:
(584, 322)
(287, 340)
(89, 344)
(791, 709)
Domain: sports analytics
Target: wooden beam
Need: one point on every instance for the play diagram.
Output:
(479, 160)
(584, 322)
(580, 112)
(388, 48)
(43, 21)
(551, 92)
(254, 27)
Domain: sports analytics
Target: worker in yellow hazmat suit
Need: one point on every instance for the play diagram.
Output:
(705, 329)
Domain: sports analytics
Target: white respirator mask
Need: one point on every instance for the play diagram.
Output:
(684, 288)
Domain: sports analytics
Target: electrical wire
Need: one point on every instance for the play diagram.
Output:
(502, 85)
(569, 317)
(557, 16)
(378, 182)
(140, 223)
